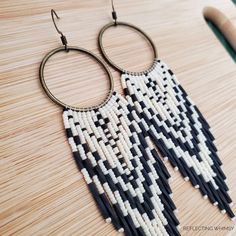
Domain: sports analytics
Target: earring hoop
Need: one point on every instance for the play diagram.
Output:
(105, 55)
(54, 98)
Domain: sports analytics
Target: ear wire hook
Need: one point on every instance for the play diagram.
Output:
(63, 37)
(114, 15)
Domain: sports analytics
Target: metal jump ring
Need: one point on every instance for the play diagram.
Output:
(115, 66)
(54, 98)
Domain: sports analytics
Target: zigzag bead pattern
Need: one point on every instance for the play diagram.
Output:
(179, 130)
(122, 169)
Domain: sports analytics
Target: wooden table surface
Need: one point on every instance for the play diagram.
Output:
(42, 192)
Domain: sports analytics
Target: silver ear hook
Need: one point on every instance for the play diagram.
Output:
(114, 15)
(63, 37)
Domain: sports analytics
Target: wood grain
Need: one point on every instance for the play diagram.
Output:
(42, 192)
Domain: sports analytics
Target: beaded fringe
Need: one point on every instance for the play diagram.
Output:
(123, 171)
(179, 130)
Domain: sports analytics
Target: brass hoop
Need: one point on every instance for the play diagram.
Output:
(105, 55)
(54, 98)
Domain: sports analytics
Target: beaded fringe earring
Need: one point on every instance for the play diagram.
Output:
(123, 171)
(174, 123)
(179, 130)
(113, 151)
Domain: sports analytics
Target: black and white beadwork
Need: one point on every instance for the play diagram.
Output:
(179, 130)
(122, 169)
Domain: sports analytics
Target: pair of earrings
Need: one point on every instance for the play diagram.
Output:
(112, 145)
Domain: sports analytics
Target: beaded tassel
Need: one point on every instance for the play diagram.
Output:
(179, 130)
(122, 169)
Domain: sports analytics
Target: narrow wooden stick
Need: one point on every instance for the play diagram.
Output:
(223, 23)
